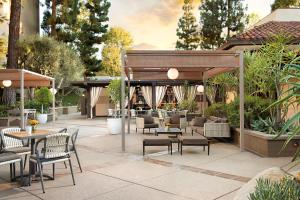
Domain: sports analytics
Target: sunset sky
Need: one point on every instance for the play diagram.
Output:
(153, 23)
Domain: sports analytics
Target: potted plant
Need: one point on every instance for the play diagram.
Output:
(44, 97)
(114, 124)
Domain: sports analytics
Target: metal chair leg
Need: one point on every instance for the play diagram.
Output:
(77, 157)
(71, 171)
(29, 175)
(25, 161)
(53, 171)
(65, 164)
(10, 170)
(21, 172)
(41, 175)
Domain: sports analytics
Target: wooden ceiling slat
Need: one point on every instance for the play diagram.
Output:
(163, 76)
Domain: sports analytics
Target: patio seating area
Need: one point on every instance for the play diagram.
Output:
(110, 174)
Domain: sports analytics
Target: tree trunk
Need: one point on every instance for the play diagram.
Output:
(53, 21)
(14, 34)
(9, 94)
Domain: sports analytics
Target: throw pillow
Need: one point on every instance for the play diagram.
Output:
(175, 119)
(148, 119)
(199, 121)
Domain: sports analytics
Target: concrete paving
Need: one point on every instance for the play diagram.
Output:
(110, 174)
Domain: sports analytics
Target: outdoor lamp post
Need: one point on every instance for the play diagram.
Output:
(173, 73)
(200, 88)
(6, 83)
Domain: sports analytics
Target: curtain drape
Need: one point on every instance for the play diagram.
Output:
(95, 94)
(191, 92)
(147, 93)
(131, 92)
(160, 93)
(179, 93)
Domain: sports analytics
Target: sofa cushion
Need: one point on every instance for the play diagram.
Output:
(175, 119)
(153, 125)
(148, 119)
(199, 121)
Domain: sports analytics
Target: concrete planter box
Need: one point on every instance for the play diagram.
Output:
(70, 109)
(266, 145)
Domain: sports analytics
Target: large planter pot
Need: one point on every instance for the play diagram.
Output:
(114, 125)
(267, 145)
(42, 118)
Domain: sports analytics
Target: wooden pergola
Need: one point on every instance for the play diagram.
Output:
(21, 79)
(191, 65)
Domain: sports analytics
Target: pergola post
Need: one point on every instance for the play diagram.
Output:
(53, 99)
(204, 94)
(22, 98)
(241, 81)
(123, 100)
(128, 106)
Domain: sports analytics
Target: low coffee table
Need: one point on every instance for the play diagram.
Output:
(170, 131)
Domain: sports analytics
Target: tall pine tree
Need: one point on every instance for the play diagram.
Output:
(91, 34)
(187, 31)
(219, 19)
(60, 19)
(212, 22)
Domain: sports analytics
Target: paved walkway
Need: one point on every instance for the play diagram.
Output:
(110, 174)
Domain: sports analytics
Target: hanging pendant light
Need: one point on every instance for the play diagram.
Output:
(200, 88)
(6, 83)
(173, 73)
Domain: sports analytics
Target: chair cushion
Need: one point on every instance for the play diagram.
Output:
(8, 156)
(175, 119)
(148, 119)
(153, 125)
(199, 121)
(19, 150)
(194, 140)
(156, 140)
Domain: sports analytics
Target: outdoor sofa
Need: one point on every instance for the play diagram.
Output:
(211, 127)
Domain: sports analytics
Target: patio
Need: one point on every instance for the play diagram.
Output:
(110, 174)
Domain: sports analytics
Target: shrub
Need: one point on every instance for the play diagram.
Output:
(44, 97)
(4, 109)
(33, 104)
(267, 125)
(255, 107)
(189, 105)
(217, 110)
(287, 189)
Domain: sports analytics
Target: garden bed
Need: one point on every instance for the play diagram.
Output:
(266, 145)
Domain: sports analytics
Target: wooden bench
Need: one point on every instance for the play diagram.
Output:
(194, 141)
(157, 141)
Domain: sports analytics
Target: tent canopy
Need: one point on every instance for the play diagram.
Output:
(31, 79)
(192, 65)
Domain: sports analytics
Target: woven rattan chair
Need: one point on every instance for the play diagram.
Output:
(55, 149)
(17, 146)
(73, 133)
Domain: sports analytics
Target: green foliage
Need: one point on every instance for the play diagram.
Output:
(47, 56)
(254, 108)
(285, 189)
(116, 40)
(187, 31)
(91, 34)
(217, 15)
(266, 125)
(33, 104)
(70, 99)
(114, 91)
(289, 99)
(285, 4)
(188, 104)
(4, 109)
(217, 110)
(168, 106)
(43, 96)
(3, 47)
(65, 21)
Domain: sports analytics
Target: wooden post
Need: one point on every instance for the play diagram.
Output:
(123, 100)
(53, 100)
(204, 94)
(22, 99)
(153, 95)
(241, 55)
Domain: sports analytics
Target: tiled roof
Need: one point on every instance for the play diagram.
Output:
(261, 33)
